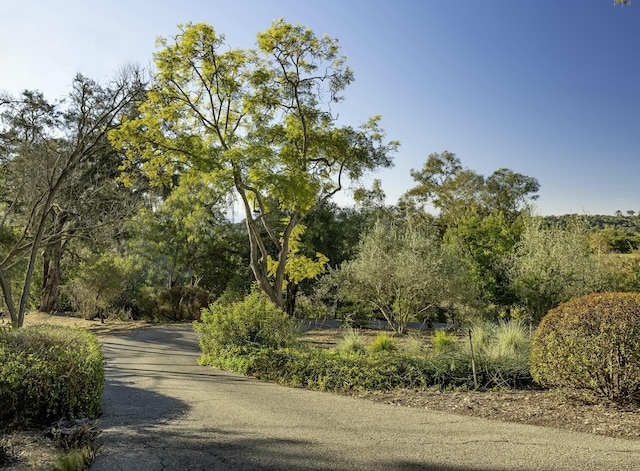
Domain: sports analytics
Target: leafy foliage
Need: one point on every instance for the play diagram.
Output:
(253, 322)
(181, 303)
(401, 272)
(479, 219)
(50, 165)
(591, 342)
(253, 122)
(48, 373)
(550, 265)
(98, 284)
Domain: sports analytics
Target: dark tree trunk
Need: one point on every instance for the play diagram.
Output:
(50, 301)
(290, 304)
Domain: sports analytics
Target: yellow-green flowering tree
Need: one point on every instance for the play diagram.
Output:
(254, 122)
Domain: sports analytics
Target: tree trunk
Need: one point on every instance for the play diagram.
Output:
(290, 306)
(50, 301)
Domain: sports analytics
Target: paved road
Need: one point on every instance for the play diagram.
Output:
(162, 411)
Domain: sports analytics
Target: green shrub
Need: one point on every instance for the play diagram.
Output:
(443, 341)
(591, 342)
(48, 373)
(97, 285)
(382, 343)
(253, 322)
(181, 303)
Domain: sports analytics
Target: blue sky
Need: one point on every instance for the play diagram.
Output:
(548, 88)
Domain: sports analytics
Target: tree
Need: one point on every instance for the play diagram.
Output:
(253, 122)
(402, 272)
(185, 238)
(551, 265)
(454, 190)
(43, 147)
(480, 218)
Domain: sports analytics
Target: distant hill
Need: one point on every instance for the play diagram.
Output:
(600, 221)
(620, 232)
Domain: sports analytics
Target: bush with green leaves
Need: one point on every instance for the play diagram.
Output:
(181, 303)
(254, 322)
(383, 343)
(98, 284)
(48, 373)
(591, 342)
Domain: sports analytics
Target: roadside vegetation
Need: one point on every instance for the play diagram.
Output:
(51, 377)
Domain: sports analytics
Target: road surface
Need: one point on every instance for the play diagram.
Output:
(161, 411)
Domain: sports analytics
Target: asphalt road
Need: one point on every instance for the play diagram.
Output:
(161, 411)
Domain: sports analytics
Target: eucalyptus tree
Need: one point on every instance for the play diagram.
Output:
(479, 217)
(44, 148)
(257, 123)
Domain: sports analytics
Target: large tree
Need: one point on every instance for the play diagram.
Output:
(255, 122)
(44, 148)
(552, 264)
(479, 217)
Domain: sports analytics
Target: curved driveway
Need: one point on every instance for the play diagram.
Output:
(161, 411)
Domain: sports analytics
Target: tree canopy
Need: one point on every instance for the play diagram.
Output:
(257, 122)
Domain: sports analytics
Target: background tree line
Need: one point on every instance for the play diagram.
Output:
(122, 200)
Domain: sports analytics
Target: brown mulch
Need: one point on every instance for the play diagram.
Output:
(549, 408)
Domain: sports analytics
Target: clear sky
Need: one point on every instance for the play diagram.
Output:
(547, 88)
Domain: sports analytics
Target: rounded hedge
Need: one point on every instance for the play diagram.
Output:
(49, 373)
(591, 342)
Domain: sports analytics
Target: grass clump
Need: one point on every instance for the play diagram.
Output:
(443, 341)
(383, 343)
(352, 342)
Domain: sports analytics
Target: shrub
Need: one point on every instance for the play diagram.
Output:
(48, 373)
(382, 343)
(181, 303)
(252, 323)
(591, 342)
(97, 285)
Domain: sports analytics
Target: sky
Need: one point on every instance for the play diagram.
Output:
(546, 88)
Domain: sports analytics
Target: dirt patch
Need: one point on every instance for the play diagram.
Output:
(548, 408)
(109, 326)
